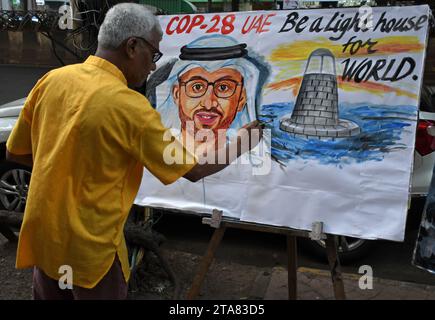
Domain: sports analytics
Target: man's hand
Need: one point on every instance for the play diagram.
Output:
(247, 138)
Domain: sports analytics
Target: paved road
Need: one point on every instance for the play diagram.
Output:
(389, 260)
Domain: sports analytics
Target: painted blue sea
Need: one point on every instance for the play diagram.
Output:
(381, 126)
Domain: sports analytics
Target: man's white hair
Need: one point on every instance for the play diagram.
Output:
(127, 20)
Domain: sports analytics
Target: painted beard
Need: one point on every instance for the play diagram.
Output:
(204, 119)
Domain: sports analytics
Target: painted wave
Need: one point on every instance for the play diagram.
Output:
(381, 126)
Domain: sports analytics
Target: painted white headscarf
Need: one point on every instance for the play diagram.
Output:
(253, 74)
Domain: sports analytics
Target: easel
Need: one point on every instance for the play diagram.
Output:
(221, 225)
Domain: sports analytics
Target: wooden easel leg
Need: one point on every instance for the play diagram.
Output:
(292, 267)
(205, 263)
(334, 264)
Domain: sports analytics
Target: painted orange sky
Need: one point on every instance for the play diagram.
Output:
(301, 49)
(291, 57)
(370, 86)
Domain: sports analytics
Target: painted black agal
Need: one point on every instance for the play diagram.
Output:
(213, 53)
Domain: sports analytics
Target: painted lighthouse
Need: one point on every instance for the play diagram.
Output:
(316, 113)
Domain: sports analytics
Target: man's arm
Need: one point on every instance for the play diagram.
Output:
(199, 171)
(26, 159)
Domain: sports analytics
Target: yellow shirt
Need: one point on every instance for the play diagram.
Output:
(90, 136)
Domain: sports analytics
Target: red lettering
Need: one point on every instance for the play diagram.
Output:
(244, 30)
(217, 19)
(222, 24)
(181, 28)
(267, 23)
(168, 30)
(258, 24)
(227, 24)
(196, 22)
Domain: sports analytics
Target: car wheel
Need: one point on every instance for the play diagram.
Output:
(349, 249)
(14, 186)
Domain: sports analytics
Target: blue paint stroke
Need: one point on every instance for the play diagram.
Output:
(381, 130)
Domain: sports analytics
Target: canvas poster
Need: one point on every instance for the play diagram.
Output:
(338, 90)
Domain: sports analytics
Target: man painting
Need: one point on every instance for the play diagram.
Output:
(88, 135)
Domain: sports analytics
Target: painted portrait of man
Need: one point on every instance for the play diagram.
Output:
(211, 100)
(214, 87)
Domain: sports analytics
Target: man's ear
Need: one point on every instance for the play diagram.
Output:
(176, 92)
(131, 47)
(242, 101)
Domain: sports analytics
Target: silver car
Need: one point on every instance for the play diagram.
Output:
(14, 178)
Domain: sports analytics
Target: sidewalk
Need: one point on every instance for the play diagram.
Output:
(224, 281)
(316, 284)
(227, 280)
